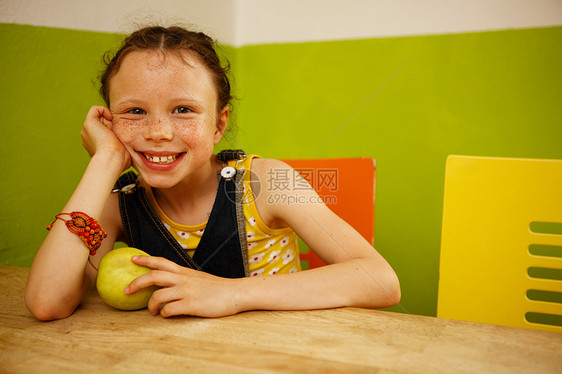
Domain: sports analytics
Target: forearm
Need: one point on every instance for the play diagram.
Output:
(366, 282)
(57, 280)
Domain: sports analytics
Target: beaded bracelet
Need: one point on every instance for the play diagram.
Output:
(86, 227)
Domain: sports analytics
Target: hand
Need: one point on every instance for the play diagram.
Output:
(185, 291)
(98, 137)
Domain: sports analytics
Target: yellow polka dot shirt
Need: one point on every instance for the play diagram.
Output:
(270, 251)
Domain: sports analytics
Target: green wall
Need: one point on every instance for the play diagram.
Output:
(406, 102)
(47, 88)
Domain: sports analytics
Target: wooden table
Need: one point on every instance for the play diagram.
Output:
(99, 339)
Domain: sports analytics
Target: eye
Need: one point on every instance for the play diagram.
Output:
(137, 111)
(182, 110)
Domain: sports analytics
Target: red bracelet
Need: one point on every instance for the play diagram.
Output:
(86, 227)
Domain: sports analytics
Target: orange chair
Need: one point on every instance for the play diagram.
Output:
(347, 186)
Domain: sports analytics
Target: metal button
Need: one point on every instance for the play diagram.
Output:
(128, 189)
(228, 172)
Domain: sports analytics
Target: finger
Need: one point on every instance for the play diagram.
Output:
(159, 263)
(152, 278)
(174, 308)
(161, 297)
(107, 114)
(98, 111)
(101, 113)
(106, 118)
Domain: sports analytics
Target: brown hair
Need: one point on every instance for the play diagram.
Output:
(173, 39)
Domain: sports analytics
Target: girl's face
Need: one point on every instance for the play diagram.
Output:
(165, 114)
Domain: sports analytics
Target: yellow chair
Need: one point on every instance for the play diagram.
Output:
(501, 244)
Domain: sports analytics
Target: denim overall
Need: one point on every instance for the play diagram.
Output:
(223, 249)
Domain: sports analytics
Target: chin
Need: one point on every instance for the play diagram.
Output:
(156, 180)
(160, 182)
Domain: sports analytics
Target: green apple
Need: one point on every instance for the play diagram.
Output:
(115, 272)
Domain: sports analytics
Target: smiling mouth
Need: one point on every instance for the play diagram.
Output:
(161, 159)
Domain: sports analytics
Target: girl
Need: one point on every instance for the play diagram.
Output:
(212, 235)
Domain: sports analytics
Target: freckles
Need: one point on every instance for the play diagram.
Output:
(197, 137)
(189, 133)
(126, 130)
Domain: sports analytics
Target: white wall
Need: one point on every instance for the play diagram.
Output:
(214, 17)
(270, 21)
(242, 22)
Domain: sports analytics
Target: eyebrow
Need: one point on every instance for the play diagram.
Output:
(132, 101)
(190, 99)
(128, 100)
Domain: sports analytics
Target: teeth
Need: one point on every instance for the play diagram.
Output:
(161, 159)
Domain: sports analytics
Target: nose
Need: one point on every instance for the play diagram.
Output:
(159, 129)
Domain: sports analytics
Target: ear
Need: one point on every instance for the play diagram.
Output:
(221, 124)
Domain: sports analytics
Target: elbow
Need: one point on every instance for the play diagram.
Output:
(45, 308)
(394, 291)
(395, 294)
(387, 293)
